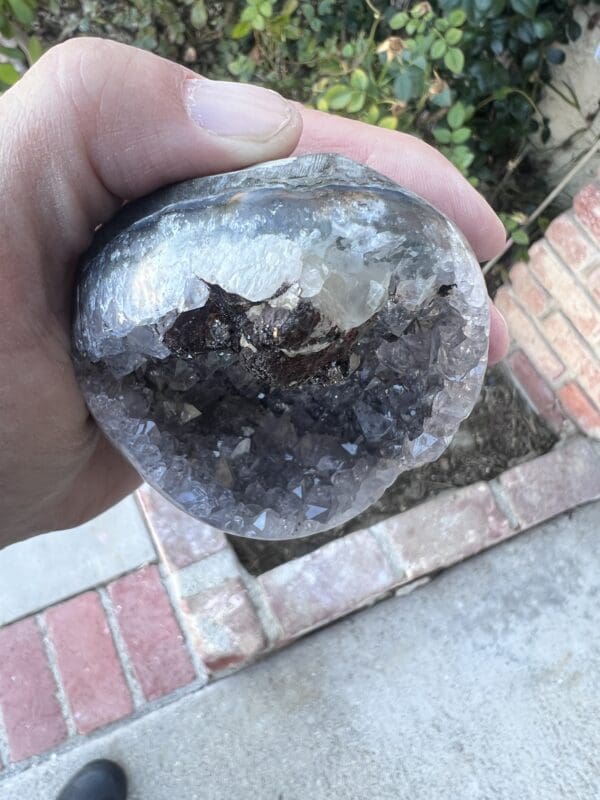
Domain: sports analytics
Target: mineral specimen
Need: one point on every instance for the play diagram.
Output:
(271, 348)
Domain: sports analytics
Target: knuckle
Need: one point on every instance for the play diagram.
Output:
(65, 56)
(70, 64)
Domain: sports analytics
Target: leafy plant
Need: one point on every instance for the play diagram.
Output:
(465, 75)
(17, 50)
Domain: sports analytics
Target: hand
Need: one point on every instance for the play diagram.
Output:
(94, 123)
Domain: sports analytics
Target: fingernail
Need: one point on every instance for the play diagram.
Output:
(238, 110)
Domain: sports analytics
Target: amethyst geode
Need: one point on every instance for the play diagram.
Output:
(271, 348)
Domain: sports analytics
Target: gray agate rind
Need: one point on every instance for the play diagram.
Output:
(272, 347)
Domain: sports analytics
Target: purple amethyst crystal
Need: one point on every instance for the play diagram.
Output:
(271, 348)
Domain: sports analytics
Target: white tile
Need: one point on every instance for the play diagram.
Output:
(46, 569)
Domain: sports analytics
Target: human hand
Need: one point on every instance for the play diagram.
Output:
(95, 123)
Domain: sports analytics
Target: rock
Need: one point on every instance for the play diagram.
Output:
(272, 347)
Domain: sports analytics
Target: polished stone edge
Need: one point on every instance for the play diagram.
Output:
(286, 172)
(163, 632)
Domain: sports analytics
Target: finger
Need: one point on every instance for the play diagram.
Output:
(94, 122)
(499, 338)
(414, 165)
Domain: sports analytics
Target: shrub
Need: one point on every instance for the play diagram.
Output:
(465, 75)
(17, 50)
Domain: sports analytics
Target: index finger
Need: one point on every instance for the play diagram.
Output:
(413, 164)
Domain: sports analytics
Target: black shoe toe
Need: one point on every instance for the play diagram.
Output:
(98, 780)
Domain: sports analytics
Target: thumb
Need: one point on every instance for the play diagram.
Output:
(95, 122)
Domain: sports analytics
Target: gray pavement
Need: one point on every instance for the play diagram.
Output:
(65, 563)
(484, 683)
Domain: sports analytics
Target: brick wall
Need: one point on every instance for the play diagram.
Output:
(552, 307)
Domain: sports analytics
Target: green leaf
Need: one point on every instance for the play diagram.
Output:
(420, 10)
(519, 236)
(454, 60)
(457, 17)
(462, 157)
(399, 20)
(240, 30)
(8, 74)
(530, 60)
(391, 123)
(573, 30)
(248, 14)
(359, 79)
(11, 52)
(502, 93)
(409, 84)
(453, 36)
(442, 135)
(443, 99)
(461, 135)
(199, 15)
(438, 48)
(338, 96)
(456, 115)
(497, 9)
(525, 7)
(555, 55)
(34, 49)
(411, 26)
(357, 101)
(22, 11)
(259, 23)
(543, 28)
(372, 114)
(266, 9)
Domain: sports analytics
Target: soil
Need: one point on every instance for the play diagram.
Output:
(502, 431)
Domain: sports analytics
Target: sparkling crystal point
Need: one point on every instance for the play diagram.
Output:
(272, 347)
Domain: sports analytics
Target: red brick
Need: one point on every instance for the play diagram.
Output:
(228, 631)
(559, 281)
(537, 391)
(531, 295)
(31, 713)
(580, 408)
(587, 208)
(327, 583)
(89, 666)
(446, 529)
(154, 641)
(575, 353)
(524, 332)
(562, 479)
(181, 540)
(572, 245)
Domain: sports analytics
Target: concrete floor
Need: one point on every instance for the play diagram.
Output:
(482, 684)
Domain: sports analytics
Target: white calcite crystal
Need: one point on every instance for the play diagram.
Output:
(270, 348)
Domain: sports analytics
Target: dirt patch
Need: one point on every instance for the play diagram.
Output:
(501, 431)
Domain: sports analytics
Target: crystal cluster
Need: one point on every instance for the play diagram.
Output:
(270, 348)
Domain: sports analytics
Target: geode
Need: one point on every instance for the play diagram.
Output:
(271, 347)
